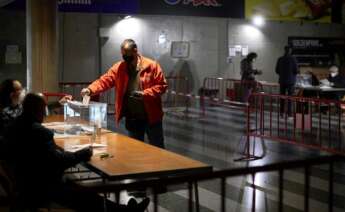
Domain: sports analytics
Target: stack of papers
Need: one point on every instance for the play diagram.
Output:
(97, 148)
(325, 82)
(325, 87)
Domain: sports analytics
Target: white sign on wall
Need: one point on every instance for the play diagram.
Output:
(13, 55)
(241, 50)
(179, 49)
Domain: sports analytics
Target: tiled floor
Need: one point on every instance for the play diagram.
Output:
(216, 139)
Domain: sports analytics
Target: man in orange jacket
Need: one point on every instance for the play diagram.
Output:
(139, 83)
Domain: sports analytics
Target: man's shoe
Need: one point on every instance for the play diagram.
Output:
(133, 206)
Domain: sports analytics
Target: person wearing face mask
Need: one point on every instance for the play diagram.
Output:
(248, 73)
(337, 80)
(139, 83)
(11, 96)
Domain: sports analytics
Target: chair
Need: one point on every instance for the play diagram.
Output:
(11, 200)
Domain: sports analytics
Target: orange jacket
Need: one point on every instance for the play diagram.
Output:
(152, 82)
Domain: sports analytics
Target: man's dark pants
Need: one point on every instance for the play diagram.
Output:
(138, 128)
(286, 90)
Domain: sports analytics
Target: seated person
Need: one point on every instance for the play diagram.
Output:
(37, 164)
(11, 97)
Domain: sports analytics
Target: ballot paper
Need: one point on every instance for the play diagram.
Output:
(86, 100)
(76, 104)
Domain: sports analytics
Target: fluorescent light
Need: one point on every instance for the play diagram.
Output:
(258, 20)
(128, 27)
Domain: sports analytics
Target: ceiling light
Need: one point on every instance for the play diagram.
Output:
(258, 20)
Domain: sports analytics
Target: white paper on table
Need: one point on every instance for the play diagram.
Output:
(325, 87)
(96, 147)
(53, 124)
(62, 135)
(325, 82)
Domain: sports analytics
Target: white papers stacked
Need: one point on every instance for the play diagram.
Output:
(97, 148)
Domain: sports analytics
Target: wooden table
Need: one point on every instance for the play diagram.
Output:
(134, 159)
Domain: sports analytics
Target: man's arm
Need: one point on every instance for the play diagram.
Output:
(105, 82)
(277, 66)
(160, 84)
(62, 160)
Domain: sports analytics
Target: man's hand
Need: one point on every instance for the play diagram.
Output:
(65, 99)
(137, 95)
(85, 92)
(85, 154)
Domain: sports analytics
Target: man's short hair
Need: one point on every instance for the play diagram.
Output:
(252, 55)
(130, 43)
(33, 103)
(287, 48)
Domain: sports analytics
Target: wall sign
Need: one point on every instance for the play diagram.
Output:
(195, 3)
(180, 49)
(13, 55)
(210, 8)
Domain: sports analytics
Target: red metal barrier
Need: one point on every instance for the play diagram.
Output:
(220, 91)
(48, 95)
(310, 122)
(178, 92)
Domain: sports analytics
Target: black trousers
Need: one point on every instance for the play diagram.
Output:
(137, 129)
(286, 90)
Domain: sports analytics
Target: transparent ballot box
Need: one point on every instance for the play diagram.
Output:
(84, 118)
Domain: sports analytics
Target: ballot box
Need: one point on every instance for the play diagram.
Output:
(82, 118)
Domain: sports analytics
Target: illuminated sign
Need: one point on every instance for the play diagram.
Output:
(195, 3)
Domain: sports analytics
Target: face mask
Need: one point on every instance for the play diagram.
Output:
(333, 74)
(128, 58)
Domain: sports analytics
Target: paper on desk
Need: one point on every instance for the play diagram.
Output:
(325, 82)
(96, 147)
(325, 87)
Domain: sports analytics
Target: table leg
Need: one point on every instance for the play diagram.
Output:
(196, 193)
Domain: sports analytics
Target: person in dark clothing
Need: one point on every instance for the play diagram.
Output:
(248, 73)
(337, 80)
(37, 164)
(287, 70)
(11, 96)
